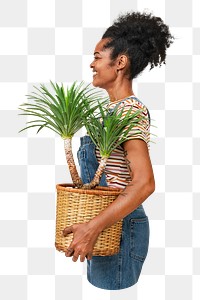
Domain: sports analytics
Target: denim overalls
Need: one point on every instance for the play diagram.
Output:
(121, 270)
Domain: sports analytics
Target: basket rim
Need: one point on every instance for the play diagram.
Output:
(99, 190)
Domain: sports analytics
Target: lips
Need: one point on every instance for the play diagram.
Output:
(94, 73)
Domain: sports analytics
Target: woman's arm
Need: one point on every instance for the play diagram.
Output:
(139, 189)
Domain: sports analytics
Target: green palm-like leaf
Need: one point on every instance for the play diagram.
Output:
(63, 112)
(109, 129)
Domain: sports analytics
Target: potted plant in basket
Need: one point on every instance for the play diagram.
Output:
(65, 112)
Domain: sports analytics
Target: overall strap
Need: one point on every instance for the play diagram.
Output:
(111, 109)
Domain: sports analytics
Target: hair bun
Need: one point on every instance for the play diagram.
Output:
(142, 36)
(149, 47)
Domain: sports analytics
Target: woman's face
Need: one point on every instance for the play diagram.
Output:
(104, 69)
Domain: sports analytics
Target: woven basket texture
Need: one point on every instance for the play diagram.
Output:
(79, 206)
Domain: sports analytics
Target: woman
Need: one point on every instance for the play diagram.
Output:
(126, 48)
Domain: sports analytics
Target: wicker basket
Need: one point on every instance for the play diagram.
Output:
(79, 206)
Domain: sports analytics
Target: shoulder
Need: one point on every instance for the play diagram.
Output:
(135, 104)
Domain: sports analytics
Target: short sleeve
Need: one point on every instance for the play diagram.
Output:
(142, 129)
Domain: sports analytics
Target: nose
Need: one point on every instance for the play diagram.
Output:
(92, 64)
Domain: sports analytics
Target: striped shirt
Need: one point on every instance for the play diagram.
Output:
(116, 171)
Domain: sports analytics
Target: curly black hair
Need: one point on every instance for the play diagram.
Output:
(143, 37)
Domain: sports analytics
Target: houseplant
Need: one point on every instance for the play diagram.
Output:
(65, 111)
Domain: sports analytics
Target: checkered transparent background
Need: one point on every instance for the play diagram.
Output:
(42, 40)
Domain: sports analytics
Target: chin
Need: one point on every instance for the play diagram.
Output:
(97, 84)
(94, 84)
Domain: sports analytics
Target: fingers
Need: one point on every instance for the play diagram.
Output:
(69, 252)
(75, 257)
(89, 256)
(82, 257)
(78, 246)
(67, 230)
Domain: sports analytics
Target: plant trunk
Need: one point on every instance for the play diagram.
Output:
(71, 164)
(95, 181)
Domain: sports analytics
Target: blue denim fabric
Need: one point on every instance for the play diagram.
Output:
(121, 270)
(88, 161)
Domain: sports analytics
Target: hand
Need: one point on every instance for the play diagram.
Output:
(84, 239)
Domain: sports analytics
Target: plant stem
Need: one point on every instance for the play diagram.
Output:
(95, 181)
(71, 164)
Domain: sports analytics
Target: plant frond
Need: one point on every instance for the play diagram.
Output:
(64, 109)
(111, 129)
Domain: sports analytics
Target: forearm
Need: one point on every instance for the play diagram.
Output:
(130, 198)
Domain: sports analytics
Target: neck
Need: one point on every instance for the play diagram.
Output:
(120, 91)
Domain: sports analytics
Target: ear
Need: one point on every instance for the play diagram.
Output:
(122, 62)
